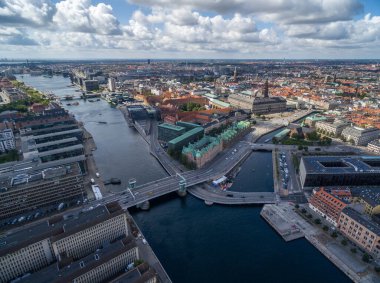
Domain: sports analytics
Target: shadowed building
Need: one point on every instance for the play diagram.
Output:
(318, 171)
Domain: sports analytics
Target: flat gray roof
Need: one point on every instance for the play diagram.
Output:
(370, 225)
(60, 150)
(340, 164)
(54, 273)
(12, 242)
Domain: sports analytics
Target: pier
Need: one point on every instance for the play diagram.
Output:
(286, 227)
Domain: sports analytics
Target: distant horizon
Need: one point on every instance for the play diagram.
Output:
(152, 60)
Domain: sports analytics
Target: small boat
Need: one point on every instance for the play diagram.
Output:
(115, 181)
(102, 122)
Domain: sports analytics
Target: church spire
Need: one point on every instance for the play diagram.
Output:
(266, 89)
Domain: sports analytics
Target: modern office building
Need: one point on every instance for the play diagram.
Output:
(263, 104)
(360, 230)
(190, 136)
(7, 140)
(321, 171)
(101, 266)
(328, 205)
(111, 84)
(91, 85)
(57, 143)
(360, 136)
(35, 247)
(26, 191)
(167, 132)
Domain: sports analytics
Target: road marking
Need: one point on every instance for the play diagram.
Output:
(131, 193)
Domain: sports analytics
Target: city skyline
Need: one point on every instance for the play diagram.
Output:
(272, 29)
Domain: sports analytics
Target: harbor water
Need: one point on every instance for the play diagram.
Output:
(195, 242)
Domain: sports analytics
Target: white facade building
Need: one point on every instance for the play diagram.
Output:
(7, 140)
(111, 84)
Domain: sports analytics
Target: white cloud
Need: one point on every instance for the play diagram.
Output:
(285, 11)
(209, 28)
(32, 12)
(81, 16)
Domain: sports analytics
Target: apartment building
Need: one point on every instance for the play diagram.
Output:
(36, 247)
(360, 136)
(374, 146)
(371, 200)
(334, 129)
(327, 205)
(360, 230)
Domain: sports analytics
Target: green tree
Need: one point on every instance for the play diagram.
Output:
(344, 242)
(366, 257)
(353, 250)
(334, 234)
(317, 221)
(294, 136)
(325, 228)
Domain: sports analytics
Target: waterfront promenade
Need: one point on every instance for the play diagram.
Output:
(290, 221)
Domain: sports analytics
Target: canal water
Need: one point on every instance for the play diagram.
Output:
(195, 242)
(256, 174)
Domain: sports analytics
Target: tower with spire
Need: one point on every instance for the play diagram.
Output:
(266, 89)
(235, 75)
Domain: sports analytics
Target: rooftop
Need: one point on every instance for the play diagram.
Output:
(34, 176)
(57, 228)
(370, 225)
(371, 196)
(186, 135)
(59, 272)
(171, 127)
(342, 164)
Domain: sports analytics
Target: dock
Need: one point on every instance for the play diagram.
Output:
(284, 226)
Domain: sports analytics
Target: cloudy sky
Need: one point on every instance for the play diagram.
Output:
(255, 29)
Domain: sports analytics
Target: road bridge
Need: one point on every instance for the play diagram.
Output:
(230, 197)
